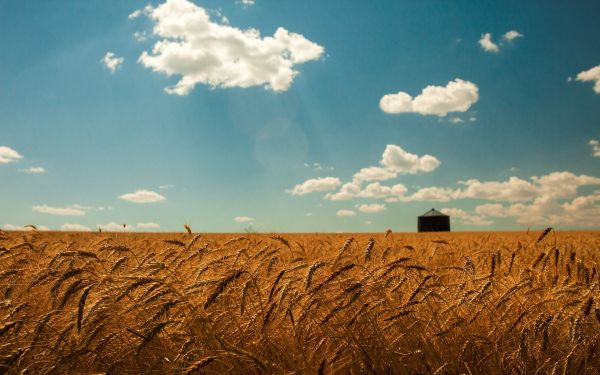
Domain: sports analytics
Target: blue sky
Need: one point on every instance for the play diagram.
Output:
(228, 115)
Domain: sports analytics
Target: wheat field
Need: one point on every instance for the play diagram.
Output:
(472, 303)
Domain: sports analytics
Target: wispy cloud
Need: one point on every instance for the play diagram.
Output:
(371, 208)
(148, 225)
(511, 35)
(142, 196)
(202, 51)
(112, 62)
(456, 96)
(33, 170)
(345, 213)
(243, 219)
(8, 155)
(75, 228)
(59, 211)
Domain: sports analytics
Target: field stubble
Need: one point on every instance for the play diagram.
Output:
(122, 303)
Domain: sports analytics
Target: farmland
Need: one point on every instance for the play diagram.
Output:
(444, 303)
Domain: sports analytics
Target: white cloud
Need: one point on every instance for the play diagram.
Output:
(218, 55)
(371, 208)
(487, 44)
(431, 194)
(374, 174)
(592, 74)
(345, 213)
(308, 214)
(368, 222)
(456, 96)
(397, 160)
(315, 185)
(318, 167)
(143, 196)
(33, 170)
(595, 148)
(513, 190)
(456, 120)
(243, 219)
(465, 217)
(512, 34)
(166, 187)
(114, 227)
(247, 2)
(135, 14)
(112, 62)
(8, 155)
(75, 228)
(149, 225)
(19, 227)
(140, 36)
(59, 211)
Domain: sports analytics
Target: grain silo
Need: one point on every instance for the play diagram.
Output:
(433, 221)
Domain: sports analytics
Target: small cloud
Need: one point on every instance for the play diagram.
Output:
(149, 225)
(368, 222)
(472, 118)
(140, 36)
(166, 187)
(593, 75)
(318, 167)
(456, 96)
(512, 34)
(243, 219)
(247, 2)
(142, 196)
(371, 208)
(595, 148)
(487, 44)
(112, 62)
(315, 185)
(514, 169)
(33, 170)
(308, 214)
(75, 228)
(135, 14)
(569, 79)
(8, 155)
(345, 213)
(59, 211)
(456, 120)
(114, 227)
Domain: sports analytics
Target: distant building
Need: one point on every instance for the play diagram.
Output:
(433, 221)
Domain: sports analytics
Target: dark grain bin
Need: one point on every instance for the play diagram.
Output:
(433, 221)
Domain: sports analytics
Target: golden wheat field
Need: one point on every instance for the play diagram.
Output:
(473, 303)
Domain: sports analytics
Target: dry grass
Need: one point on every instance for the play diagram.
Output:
(361, 303)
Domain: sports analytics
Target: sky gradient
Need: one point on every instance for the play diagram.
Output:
(299, 116)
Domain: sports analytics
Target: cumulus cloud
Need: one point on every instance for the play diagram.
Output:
(243, 219)
(142, 196)
(247, 2)
(315, 185)
(465, 217)
(345, 213)
(8, 155)
(114, 227)
(487, 44)
(59, 211)
(33, 170)
(396, 159)
(112, 62)
(511, 34)
(24, 227)
(149, 225)
(202, 51)
(374, 174)
(595, 148)
(591, 75)
(74, 228)
(456, 96)
(371, 208)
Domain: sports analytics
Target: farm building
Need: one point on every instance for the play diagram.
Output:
(433, 221)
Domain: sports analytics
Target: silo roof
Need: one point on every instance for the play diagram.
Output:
(433, 212)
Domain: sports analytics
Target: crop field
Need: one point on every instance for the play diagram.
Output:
(126, 303)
